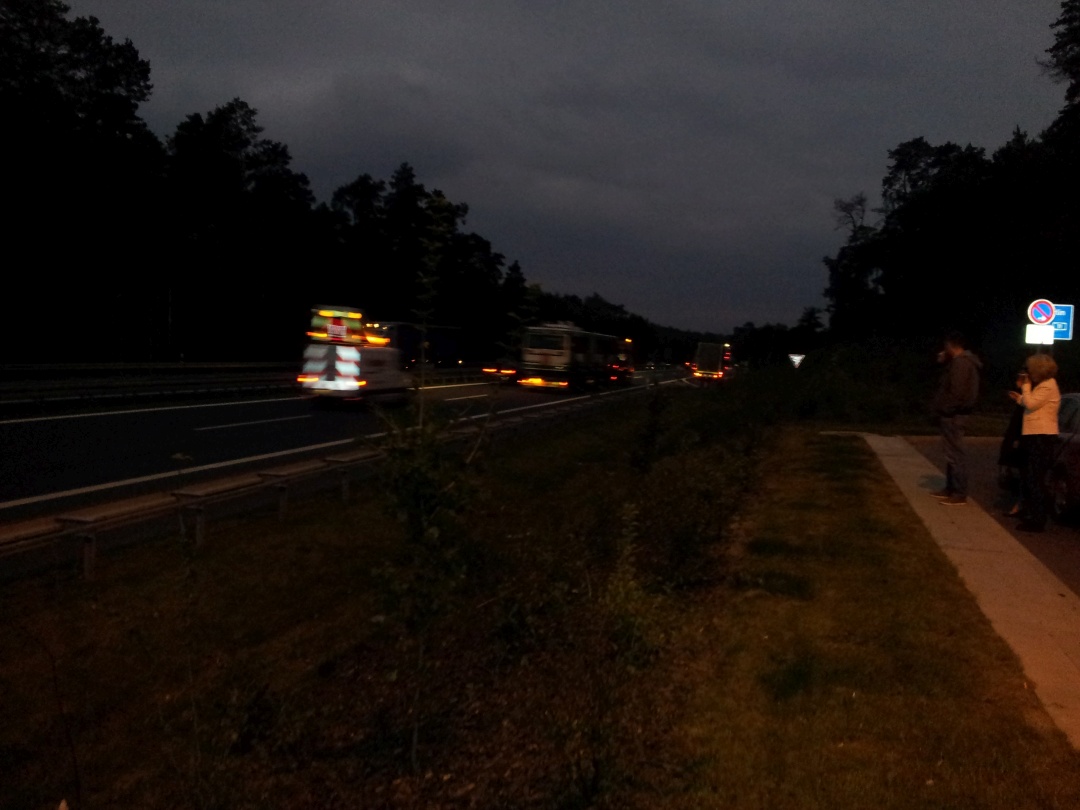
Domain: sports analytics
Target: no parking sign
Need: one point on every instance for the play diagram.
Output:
(1040, 312)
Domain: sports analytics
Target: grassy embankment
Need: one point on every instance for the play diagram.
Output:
(669, 605)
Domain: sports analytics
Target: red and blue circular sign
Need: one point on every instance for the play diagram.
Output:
(1040, 311)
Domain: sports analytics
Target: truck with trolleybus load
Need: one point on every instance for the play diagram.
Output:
(560, 355)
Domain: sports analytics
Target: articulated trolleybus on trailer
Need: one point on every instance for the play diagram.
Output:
(349, 359)
(559, 355)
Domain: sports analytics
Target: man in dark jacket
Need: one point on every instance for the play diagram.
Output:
(954, 401)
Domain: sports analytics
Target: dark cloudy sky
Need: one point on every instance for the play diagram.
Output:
(679, 157)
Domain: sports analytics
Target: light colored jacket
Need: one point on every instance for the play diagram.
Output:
(1041, 405)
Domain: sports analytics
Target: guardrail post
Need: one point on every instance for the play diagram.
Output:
(344, 473)
(196, 512)
(283, 500)
(89, 555)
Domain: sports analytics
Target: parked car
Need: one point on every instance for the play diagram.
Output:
(1064, 478)
(1010, 457)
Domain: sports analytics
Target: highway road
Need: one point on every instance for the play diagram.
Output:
(57, 462)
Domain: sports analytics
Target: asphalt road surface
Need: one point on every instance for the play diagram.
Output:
(57, 462)
(1058, 548)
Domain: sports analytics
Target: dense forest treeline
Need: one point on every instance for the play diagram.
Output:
(210, 245)
(965, 239)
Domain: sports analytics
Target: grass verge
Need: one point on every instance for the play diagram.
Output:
(849, 667)
(618, 623)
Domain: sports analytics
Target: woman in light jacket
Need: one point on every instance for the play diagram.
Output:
(1041, 399)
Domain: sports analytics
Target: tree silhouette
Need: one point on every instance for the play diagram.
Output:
(1063, 64)
(80, 177)
(210, 246)
(237, 208)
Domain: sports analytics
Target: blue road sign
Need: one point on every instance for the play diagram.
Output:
(1063, 321)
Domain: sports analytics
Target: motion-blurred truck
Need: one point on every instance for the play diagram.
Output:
(350, 358)
(711, 361)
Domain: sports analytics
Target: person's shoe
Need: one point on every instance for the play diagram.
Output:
(955, 500)
(942, 493)
(1028, 526)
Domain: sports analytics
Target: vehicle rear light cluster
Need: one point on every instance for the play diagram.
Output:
(540, 382)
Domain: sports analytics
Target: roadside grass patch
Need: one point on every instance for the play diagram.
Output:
(665, 603)
(877, 684)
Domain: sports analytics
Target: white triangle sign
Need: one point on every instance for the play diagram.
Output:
(796, 359)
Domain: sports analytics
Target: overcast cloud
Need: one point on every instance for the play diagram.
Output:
(678, 157)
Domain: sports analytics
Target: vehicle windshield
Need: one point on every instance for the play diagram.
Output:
(545, 340)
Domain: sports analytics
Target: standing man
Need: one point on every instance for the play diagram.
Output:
(954, 401)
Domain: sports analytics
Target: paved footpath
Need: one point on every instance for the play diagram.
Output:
(1026, 604)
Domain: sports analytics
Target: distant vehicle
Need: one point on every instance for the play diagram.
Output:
(504, 370)
(1064, 480)
(712, 361)
(560, 355)
(348, 357)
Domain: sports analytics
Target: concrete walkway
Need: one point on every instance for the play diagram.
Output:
(1026, 604)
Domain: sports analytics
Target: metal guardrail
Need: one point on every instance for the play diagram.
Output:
(190, 502)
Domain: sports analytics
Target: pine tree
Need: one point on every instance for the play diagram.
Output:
(1063, 64)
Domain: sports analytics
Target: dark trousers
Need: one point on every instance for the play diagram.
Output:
(1038, 451)
(952, 441)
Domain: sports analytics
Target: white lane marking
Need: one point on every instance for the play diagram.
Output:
(526, 408)
(453, 385)
(462, 399)
(256, 422)
(159, 476)
(145, 410)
